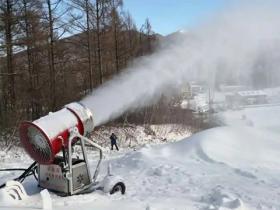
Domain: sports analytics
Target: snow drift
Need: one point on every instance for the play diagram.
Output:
(237, 147)
(240, 147)
(229, 167)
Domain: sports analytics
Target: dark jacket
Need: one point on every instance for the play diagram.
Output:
(113, 139)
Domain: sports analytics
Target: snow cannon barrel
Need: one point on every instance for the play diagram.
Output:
(44, 138)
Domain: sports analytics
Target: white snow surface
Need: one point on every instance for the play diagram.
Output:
(230, 167)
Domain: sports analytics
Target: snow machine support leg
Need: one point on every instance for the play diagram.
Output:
(73, 134)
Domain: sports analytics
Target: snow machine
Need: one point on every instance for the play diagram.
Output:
(50, 141)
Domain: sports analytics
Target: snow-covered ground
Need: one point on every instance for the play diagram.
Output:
(135, 136)
(231, 167)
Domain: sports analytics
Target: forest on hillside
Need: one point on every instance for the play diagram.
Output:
(53, 52)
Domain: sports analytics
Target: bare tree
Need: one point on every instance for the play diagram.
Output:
(32, 33)
(56, 30)
(99, 12)
(51, 55)
(147, 29)
(130, 28)
(8, 20)
(81, 17)
(116, 27)
(29, 55)
(87, 10)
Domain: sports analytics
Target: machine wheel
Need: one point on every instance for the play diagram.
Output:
(119, 187)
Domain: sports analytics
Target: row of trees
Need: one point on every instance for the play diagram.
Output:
(53, 52)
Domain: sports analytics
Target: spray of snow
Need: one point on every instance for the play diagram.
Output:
(239, 45)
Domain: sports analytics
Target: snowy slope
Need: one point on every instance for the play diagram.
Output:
(230, 167)
(198, 170)
(221, 168)
(266, 117)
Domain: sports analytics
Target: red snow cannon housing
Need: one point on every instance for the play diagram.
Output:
(44, 138)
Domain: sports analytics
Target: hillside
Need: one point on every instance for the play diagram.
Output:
(229, 167)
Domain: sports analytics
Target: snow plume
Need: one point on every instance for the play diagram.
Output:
(240, 45)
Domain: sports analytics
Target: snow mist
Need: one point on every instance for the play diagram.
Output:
(240, 45)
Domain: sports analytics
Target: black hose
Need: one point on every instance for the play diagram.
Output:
(31, 170)
(13, 169)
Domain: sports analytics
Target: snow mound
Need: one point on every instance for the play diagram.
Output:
(14, 196)
(218, 199)
(237, 147)
(219, 168)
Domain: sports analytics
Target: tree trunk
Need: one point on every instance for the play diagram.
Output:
(99, 62)
(116, 41)
(89, 47)
(51, 59)
(29, 62)
(9, 51)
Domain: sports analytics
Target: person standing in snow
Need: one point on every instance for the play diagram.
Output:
(113, 139)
